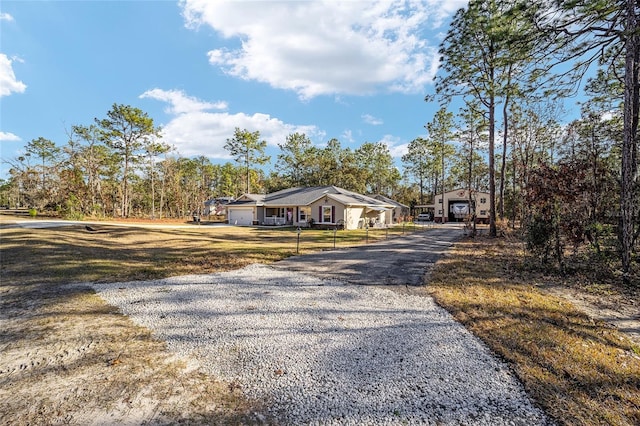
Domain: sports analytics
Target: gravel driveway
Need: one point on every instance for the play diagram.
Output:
(324, 351)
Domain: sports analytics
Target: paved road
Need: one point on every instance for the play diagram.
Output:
(58, 223)
(398, 261)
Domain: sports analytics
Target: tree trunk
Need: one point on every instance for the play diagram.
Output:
(248, 178)
(514, 187)
(124, 198)
(444, 211)
(153, 191)
(492, 172)
(505, 118)
(629, 149)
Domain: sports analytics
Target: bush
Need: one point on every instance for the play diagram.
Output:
(539, 235)
(74, 215)
(33, 212)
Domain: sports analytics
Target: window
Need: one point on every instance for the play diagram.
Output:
(483, 201)
(327, 214)
(483, 212)
(303, 214)
(440, 212)
(440, 201)
(274, 211)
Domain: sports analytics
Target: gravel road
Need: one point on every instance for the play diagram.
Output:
(323, 351)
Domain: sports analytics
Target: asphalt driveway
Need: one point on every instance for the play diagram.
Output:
(393, 262)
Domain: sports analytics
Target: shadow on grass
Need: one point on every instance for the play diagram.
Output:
(65, 353)
(582, 371)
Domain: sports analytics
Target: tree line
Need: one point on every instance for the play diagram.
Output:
(508, 61)
(508, 64)
(120, 166)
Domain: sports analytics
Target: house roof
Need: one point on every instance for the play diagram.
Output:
(302, 196)
(248, 200)
(458, 190)
(255, 197)
(389, 201)
(219, 200)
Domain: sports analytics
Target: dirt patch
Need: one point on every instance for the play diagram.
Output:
(620, 310)
(66, 357)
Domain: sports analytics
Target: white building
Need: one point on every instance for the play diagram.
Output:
(457, 205)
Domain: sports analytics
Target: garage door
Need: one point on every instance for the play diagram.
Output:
(240, 216)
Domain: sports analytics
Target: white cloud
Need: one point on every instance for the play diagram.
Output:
(370, 119)
(181, 103)
(325, 47)
(444, 9)
(9, 137)
(8, 82)
(195, 131)
(396, 149)
(609, 115)
(6, 17)
(347, 136)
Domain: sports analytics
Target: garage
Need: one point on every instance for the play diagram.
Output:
(240, 216)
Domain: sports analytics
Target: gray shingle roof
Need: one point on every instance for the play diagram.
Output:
(389, 200)
(302, 196)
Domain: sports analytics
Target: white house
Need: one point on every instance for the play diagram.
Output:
(306, 206)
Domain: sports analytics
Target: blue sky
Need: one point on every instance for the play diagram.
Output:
(356, 71)
(353, 70)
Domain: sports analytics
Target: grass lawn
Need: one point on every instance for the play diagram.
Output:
(68, 357)
(581, 371)
(116, 253)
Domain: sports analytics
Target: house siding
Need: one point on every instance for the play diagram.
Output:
(347, 207)
(316, 210)
(354, 216)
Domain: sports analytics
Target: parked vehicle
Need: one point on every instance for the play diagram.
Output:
(424, 217)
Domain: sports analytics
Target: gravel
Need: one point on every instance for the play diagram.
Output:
(325, 352)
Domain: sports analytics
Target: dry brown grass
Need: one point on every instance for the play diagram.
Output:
(67, 357)
(116, 253)
(581, 371)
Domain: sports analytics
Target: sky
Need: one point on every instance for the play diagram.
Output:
(357, 71)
